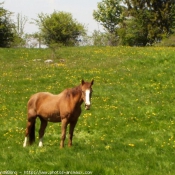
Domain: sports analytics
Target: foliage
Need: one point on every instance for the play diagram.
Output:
(21, 22)
(138, 22)
(20, 39)
(132, 32)
(104, 39)
(35, 40)
(155, 19)
(6, 28)
(168, 42)
(99, 38)
(109, 15)
(129, 128)
(60, 28)
(11, 33)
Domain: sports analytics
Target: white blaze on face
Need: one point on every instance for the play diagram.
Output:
(87, 97)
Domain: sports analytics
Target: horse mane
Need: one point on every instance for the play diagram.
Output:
(74, 91)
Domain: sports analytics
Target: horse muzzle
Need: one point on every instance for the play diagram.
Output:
(87, 107)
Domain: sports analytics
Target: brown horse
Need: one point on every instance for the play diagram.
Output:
(64, 107)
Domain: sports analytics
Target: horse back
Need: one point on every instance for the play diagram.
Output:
(37, 99)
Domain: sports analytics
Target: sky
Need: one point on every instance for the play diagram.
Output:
(81, 10)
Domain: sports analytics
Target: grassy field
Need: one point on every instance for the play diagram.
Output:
(130, 129)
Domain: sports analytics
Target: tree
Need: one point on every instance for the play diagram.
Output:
(6, 28)
(19, 34)
(103, 39)
(109, 15)
(156, 19)
(21, 22)
(99, 38)
(60, 28)
(133, 30)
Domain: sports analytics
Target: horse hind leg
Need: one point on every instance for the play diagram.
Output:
(41, 131)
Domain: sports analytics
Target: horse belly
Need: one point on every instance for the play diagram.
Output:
(54, 117)
(50, 116)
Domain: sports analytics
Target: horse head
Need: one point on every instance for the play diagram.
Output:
(86, 88)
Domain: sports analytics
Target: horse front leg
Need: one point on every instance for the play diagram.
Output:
(71, 131)
(64, 123)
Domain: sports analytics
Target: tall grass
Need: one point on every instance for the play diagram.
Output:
(129, 130)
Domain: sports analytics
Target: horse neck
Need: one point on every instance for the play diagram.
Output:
(77, 95)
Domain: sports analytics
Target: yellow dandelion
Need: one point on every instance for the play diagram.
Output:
(131, 144)
(102, 138)
(107, 147)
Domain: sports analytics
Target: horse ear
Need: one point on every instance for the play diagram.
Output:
(92, 82)
(82, 82)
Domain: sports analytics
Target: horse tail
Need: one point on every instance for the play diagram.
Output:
(32, 133)
(32, 117)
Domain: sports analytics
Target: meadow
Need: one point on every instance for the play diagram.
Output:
(129, 130)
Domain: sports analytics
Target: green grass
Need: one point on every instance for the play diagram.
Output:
(130, 129)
